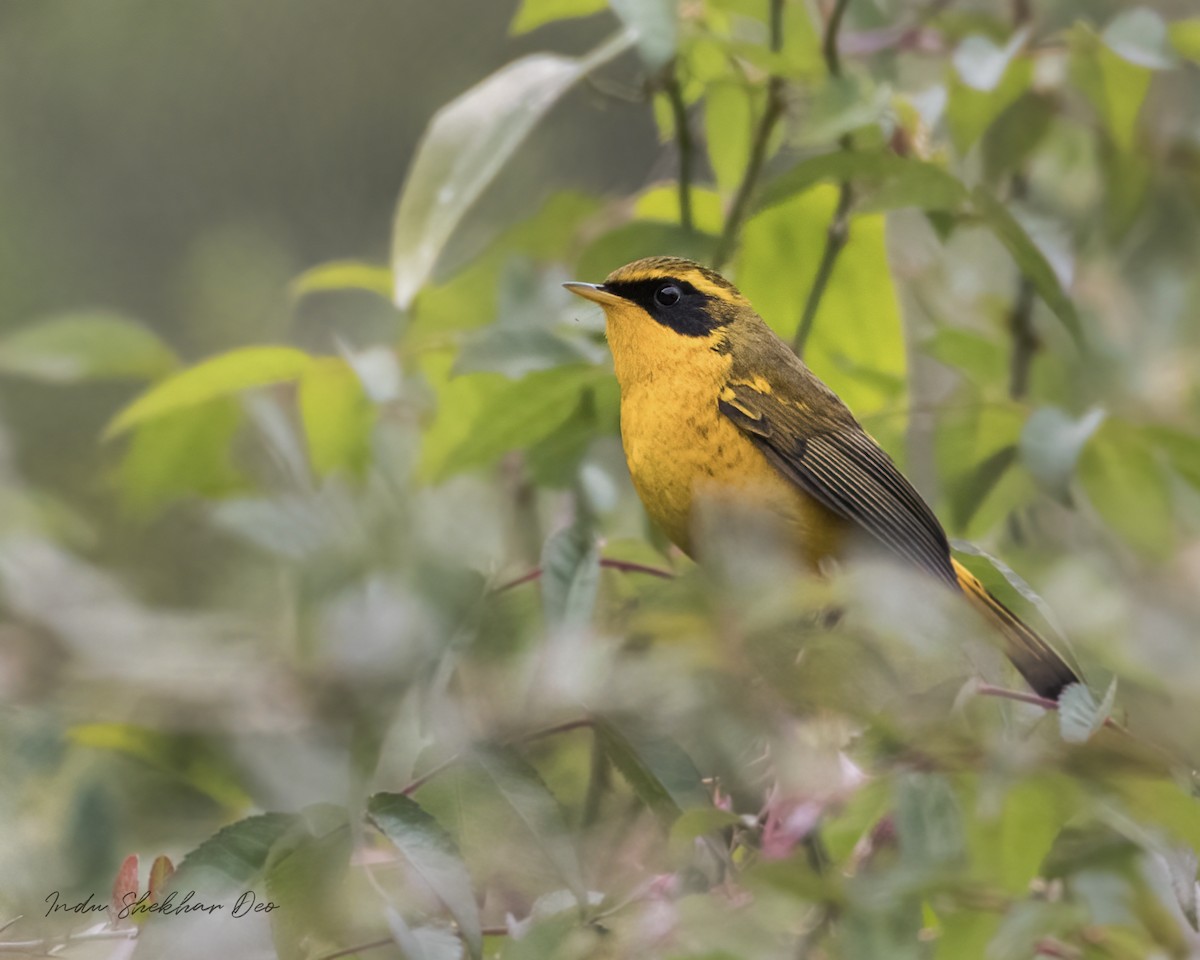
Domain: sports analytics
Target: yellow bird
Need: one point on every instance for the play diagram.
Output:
(713, 403)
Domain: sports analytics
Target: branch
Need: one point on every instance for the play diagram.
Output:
(565, 727)
(683, 138)
(625, 566)
(46, 944)
(839, 228)
(835, 239)
(758, 149)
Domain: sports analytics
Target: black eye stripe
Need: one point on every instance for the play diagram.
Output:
(690, 316)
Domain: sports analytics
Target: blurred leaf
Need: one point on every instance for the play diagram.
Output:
(1122, 475)
(980, 357)
(1185, 38)
(1051, 443)
(187, 452)
(304, 877)
(657, 769)
(555, 459)
(929, 822)
(902, 181)
(661, 203)
(857, 344)
(642, 239)
(971, 111)
(527, 334)
(537, 808)
(570, 576)
(125, 885)
(842, 106)
(344, 275)
(1140, 36)
(729, 122)
(1163, 804)
(1016, 133)
(518, 414)
(234, 856)
(435, 858)
(337, 416)
(981, 63)
(80, 347)
(219, 376)
(1029, 259)
(532, 14)
(1080, 715)
(465, 145)
(161, 871)
(1182, 450)
(1115, 86)
(655, 24)
(188, 758)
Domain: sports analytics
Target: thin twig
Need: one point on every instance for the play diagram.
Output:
(772, 112)
(625, 566)
(1025, 342)
(683, 140)
(391, 942)
(835, 239)
(565, 727)
(839, 227)
(34, 947)
(988, 690)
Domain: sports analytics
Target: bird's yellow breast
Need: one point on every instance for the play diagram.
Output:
(683, 451)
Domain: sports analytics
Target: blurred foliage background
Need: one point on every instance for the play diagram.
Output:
(321, 575)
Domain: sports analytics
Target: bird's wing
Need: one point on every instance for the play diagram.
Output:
(838, 464)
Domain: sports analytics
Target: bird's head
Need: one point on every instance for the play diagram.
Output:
(665, 311)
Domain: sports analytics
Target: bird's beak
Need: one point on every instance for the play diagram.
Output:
(594, 292)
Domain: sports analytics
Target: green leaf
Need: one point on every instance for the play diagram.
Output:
(570, 576)
(729, 124)
(1185, 38)
(656, 768)
(344, 275)
(1123, 475)
(1140, 36)
(337, 415)
(79, 347)
(537, 808)
(981, 63)
(900, 181)
(970, 111)
(929, 821)
(188, 759)
(661, 204)
(532, 14)
(1029, 259)
(305, 874)
(1010, 840)
(1051, 443)
(435, 858)
(857, 342)
(655, 25)
(844, 105)
(1115, 86)
(235, 856)
(514, 415)
(642, 239)
(1080, 715)
(184, 453)
(465, 145)
(219, 376)
(528, 334)
(1014, 135)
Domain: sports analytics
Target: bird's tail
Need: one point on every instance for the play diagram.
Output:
(1041, 666)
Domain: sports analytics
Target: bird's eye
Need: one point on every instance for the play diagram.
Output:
(667, 295)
